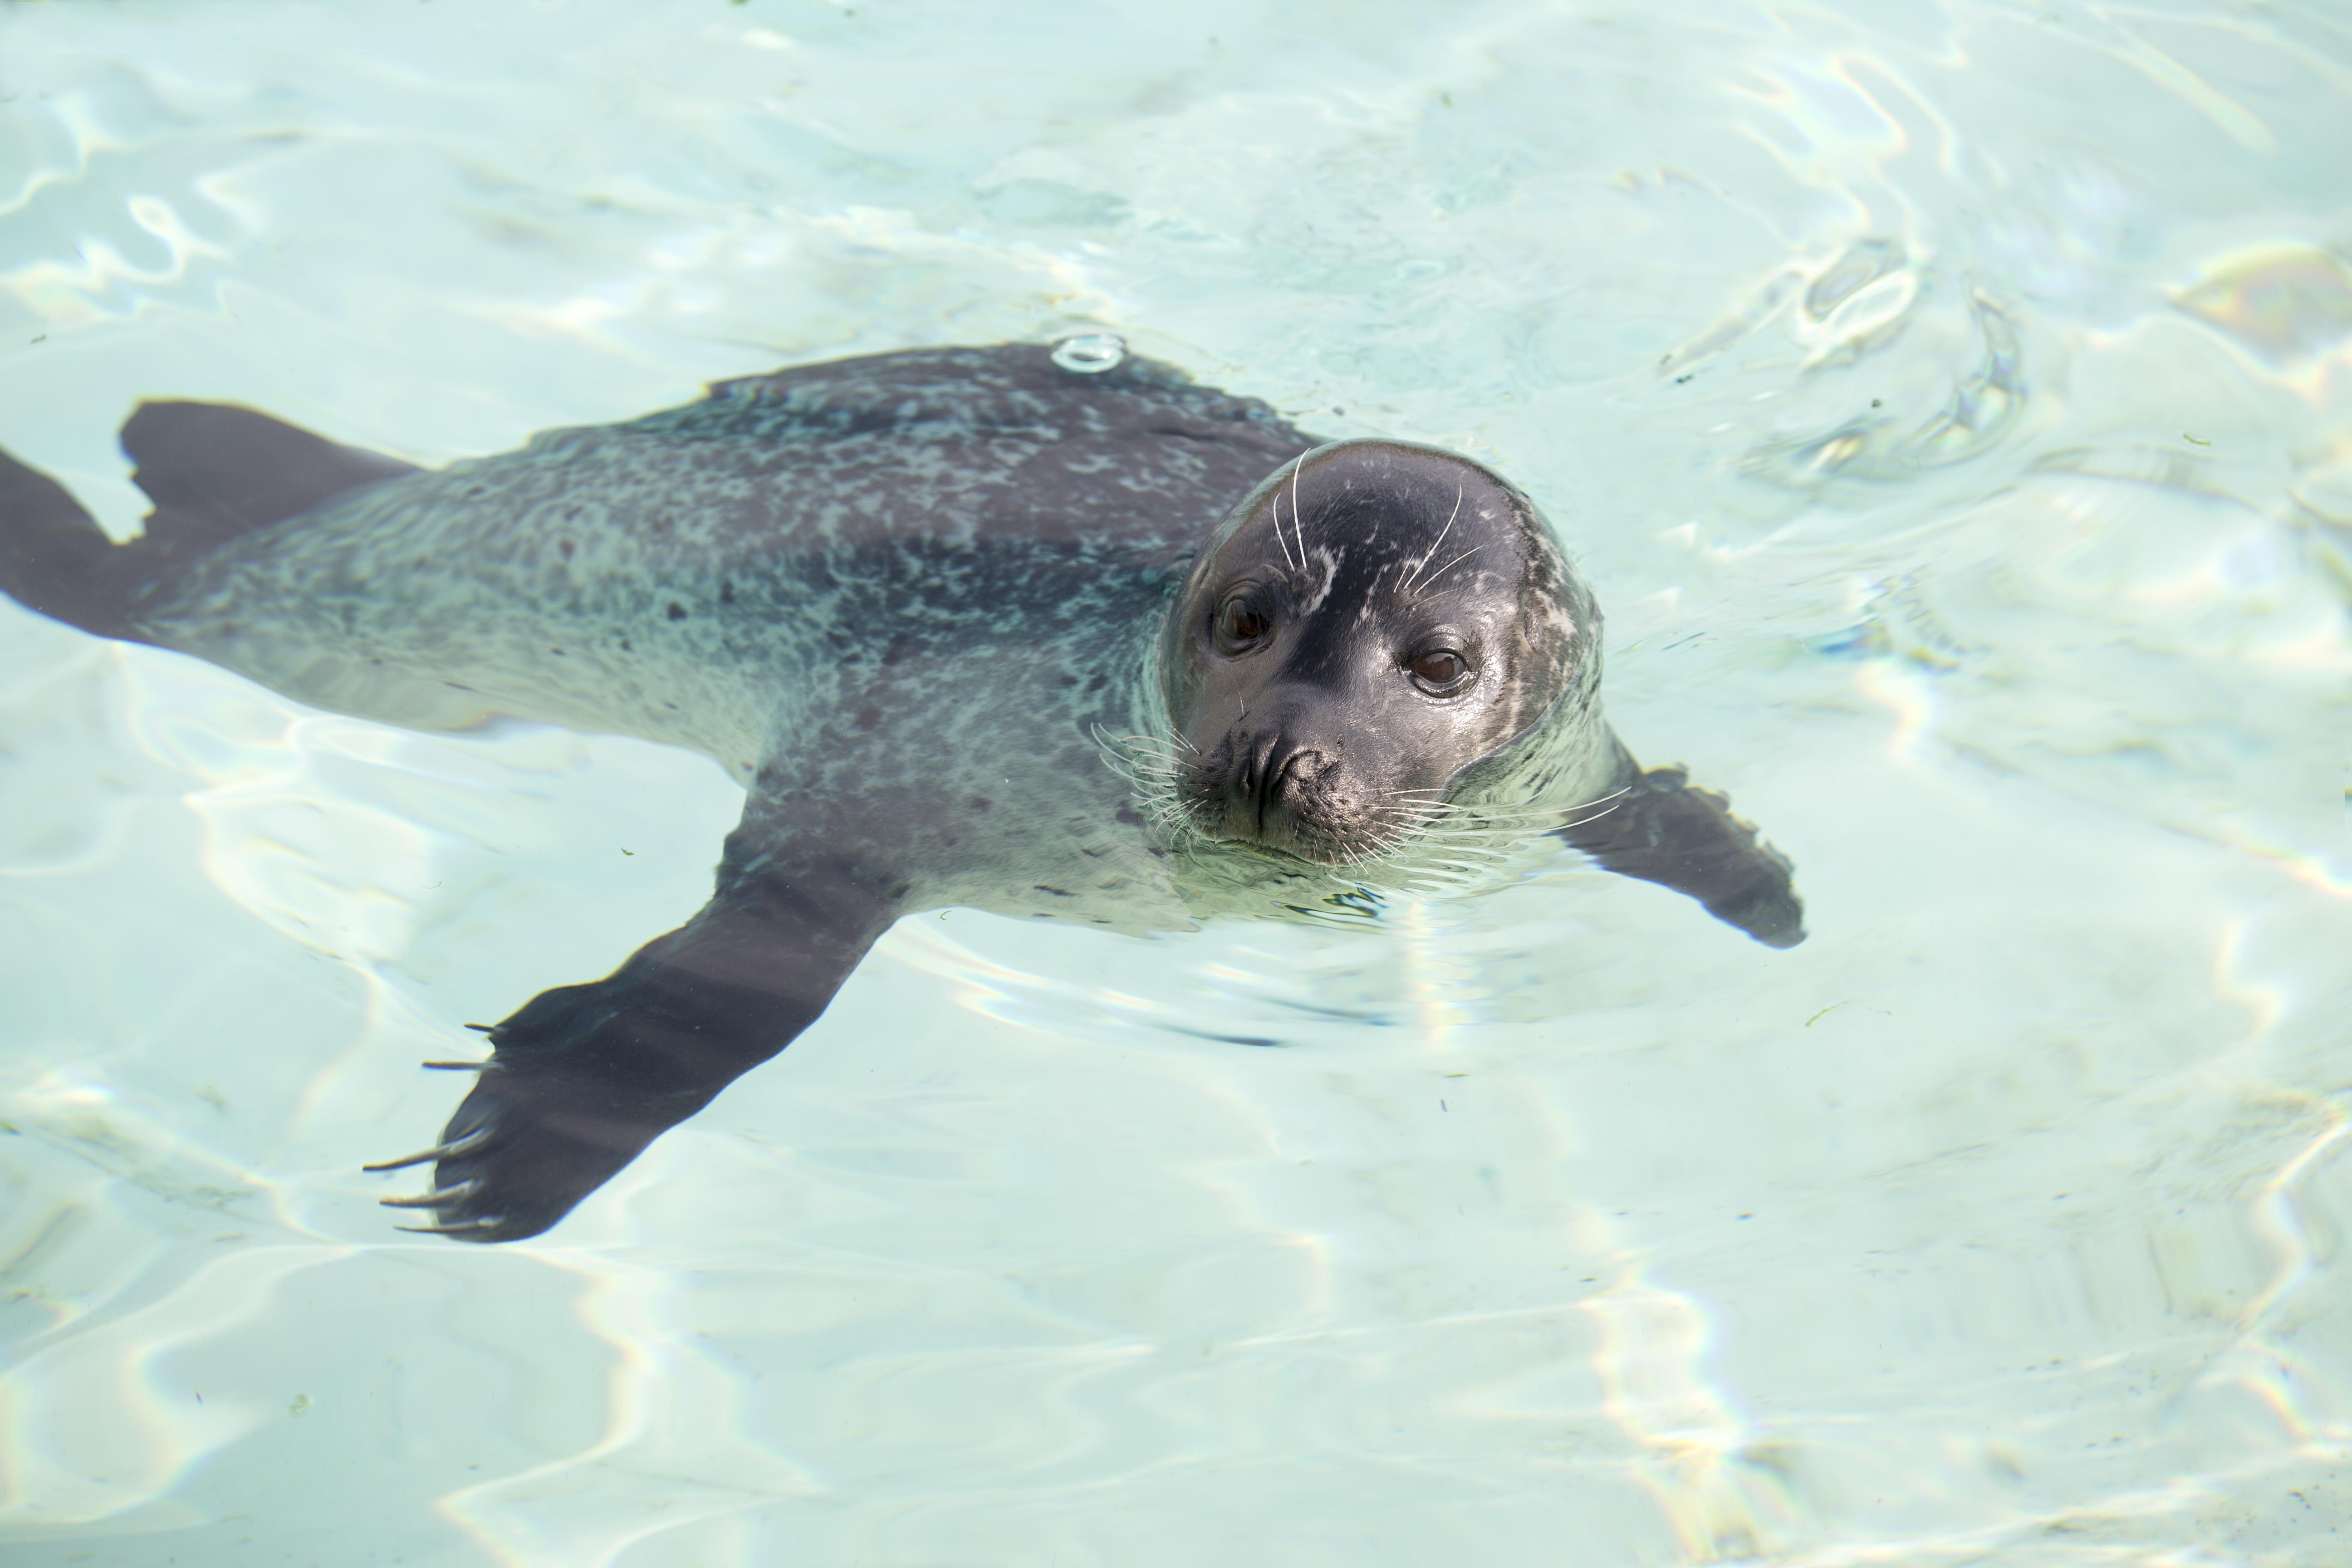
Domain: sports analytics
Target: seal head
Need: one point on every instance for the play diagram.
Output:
(1370, 623)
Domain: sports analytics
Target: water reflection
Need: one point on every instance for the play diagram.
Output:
(1951, 405)
(2289, 305)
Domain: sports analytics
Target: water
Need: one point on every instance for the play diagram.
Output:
(1952, 405)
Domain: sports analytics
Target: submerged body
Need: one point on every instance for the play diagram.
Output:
(916, 604)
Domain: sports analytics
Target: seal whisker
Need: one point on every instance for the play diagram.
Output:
(1442, 571)
(1608, 802)
(1427, 555)
(1300, 564)
(1297, 521)
(1505, 816)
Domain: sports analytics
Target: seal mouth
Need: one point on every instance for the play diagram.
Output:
(1294, 802)
(1271, 793)
(1324, 853)
(1316, 826)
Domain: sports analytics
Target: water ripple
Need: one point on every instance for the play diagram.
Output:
(1951, 402)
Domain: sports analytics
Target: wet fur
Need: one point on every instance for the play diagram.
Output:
(913, 602)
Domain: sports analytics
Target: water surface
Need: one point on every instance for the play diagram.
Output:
(1952, 406)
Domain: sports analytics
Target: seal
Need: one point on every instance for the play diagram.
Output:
(914, 601)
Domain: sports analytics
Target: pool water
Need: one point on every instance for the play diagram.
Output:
(1952, 407)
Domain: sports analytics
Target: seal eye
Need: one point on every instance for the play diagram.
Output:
(1441, 670)
(1241, 624)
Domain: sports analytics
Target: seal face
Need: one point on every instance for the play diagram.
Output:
(1370, 622)
(913, 602)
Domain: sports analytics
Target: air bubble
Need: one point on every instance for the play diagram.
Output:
(1090, 354)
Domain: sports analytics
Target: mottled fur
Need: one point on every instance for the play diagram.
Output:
(914, 603)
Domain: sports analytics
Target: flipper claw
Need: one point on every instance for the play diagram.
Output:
(440, 1197)
(463, 1227)
(478, 1138)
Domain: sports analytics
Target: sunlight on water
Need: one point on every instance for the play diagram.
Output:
(1951, 405)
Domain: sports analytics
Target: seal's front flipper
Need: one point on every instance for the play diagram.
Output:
(585, 1077)
(1661, 830)
(214, 472)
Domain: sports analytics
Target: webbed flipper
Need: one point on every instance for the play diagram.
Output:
(585, 1077)
(1659, 829)
(213, 471)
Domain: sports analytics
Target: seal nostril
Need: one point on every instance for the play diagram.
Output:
(1286, 781)
(1278, 776)
(1269, 787)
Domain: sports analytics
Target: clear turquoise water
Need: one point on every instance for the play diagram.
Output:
(1952, 405)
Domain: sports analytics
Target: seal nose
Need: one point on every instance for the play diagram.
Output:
(1273, 777)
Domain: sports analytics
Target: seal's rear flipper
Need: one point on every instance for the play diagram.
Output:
(1661, 830)
(54, 557)
(214, 472)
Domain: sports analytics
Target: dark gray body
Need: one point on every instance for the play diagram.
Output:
(831, 581)
(907, 600)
